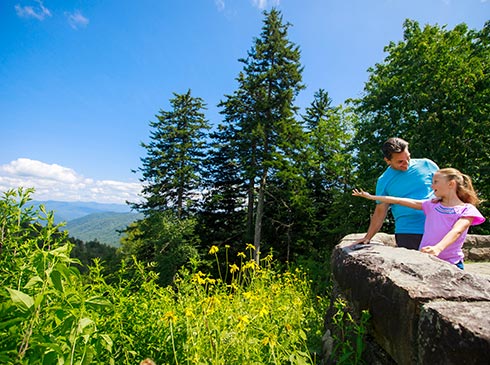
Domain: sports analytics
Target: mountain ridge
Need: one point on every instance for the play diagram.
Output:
(66, 211)
(91, 221)
(104, 227)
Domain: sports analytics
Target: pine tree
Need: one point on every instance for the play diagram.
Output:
(328, 166)
(223, 212)
(172, 169)
(262, 112)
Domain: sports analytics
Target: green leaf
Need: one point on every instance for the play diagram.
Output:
(83, 323)
(22, 300)
(33, 281)
(96, 302)
(56, 279)
(10, 323)
(107, 342)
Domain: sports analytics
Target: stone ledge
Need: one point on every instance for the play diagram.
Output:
(454, 333)
(396, 285)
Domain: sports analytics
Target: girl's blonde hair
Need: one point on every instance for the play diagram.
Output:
(464, 186)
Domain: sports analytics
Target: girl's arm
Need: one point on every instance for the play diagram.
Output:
(461, 225)
(411, 203)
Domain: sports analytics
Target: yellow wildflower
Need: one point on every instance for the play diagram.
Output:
(250, 247)
(198, 278)
(250, 265)
(189, 313)
(243, 321)
(170, 317)
(263, 311)
(213, 250)
(268, 258)
(234, 268)
(271, 341)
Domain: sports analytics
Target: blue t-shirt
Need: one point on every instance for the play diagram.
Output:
(415, 183)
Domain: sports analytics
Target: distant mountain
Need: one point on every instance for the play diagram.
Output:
(90, 221)
(67, 211)
(102, 227)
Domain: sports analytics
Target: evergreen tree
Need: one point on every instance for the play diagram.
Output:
(172, 169)
(223, 213)
(172, 175)
(262, 111)
(327, 168)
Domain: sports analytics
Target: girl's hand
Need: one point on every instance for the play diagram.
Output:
(431, 250)
(361, 193)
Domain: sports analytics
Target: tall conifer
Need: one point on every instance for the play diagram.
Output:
(172, 169)
(263, 110)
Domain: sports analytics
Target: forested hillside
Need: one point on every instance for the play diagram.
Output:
(106, 227)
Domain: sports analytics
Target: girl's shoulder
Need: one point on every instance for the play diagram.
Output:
(431, 202)
(469, 210)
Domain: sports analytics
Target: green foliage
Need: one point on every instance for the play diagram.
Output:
(432, 90)
(50, 314)
(327, 167)
(163, 240)
(88, 252)
(348, 336)
(47, 313)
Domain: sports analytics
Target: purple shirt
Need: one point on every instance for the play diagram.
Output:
(439, 221)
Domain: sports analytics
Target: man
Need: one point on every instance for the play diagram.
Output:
(407, 178)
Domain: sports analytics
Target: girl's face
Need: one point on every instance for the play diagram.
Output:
(440, 185)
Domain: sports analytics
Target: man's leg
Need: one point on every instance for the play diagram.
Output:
(407, 240)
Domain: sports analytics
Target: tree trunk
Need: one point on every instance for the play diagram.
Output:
(259, 215)
(250, 212)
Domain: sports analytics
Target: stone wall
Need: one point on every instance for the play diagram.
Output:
(423, 310)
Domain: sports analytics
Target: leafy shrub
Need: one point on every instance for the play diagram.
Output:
(51, 314)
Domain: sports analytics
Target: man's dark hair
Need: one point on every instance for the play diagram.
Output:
(393, 145)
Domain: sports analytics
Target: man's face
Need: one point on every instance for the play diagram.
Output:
(399, 161)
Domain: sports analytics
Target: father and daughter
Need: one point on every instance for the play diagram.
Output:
(408, 183)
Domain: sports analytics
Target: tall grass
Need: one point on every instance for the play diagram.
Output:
(50, 314)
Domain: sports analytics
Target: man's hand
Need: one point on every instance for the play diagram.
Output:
(363, 240)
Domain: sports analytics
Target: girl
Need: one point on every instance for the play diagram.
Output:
(448, 217)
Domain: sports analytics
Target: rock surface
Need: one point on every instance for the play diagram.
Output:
(420, 305)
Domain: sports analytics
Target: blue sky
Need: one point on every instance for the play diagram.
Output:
(81, 80)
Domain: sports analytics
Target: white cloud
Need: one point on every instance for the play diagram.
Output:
(38, 12)
(55, 182)
(77, 20)
(262, 4)
(220, 4)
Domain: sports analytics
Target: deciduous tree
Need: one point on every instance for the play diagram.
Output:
(432, 89)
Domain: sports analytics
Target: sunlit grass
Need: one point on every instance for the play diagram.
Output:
(258, 316)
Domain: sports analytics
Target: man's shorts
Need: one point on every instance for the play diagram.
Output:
(408, 240)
